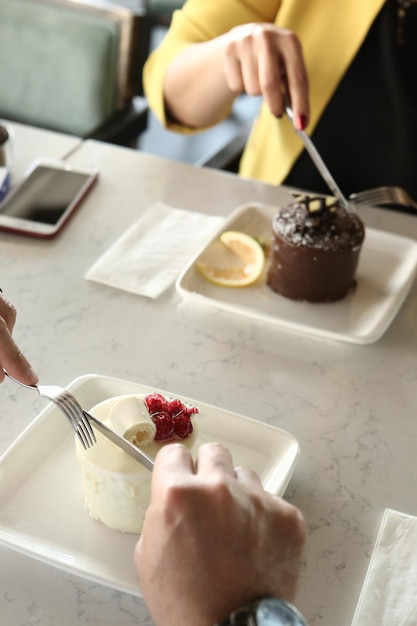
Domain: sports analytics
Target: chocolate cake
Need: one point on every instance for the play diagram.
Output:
(314, 250)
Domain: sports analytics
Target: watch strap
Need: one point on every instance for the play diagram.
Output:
(243, 616)
(265, 612)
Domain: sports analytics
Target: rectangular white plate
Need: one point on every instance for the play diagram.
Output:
(385, 274)
(41, 499)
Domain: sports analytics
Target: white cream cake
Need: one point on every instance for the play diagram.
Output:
(116, 487)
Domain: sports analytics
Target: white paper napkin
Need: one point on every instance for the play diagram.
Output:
(389, 593)
(147, 258)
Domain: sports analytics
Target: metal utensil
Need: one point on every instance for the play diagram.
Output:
(383, 195)
(319, 163)
(6, 146)
(80, 421)
(121, 442)
(69, 406)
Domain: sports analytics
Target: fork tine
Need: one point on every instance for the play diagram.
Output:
(383, 195)
(85, 426)
(69, 414)
(88, 428)
(361, 203)
(84, 442)
(69, 406)
(366, 197)
(82, 425)
(373, 199)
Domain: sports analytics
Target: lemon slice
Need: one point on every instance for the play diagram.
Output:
(250, 254)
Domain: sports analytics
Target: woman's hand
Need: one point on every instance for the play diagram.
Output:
(262, 59)
(11, 358)
(259, 59)
(213, 539)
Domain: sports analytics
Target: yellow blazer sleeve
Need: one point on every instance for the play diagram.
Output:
(198, 21)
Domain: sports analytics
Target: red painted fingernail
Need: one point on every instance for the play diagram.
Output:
(301, 122)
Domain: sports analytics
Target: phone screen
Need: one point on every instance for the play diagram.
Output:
(45, 194)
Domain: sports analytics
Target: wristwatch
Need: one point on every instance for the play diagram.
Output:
(265, 612)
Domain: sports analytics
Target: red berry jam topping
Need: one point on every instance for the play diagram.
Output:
(172, 418)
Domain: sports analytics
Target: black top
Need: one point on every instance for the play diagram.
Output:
(368, 133)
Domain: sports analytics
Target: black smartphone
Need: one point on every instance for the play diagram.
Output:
(46, 197)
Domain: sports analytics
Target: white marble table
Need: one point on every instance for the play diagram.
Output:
(352, 408)
(31, 143)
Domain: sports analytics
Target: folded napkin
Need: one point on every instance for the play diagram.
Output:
(389, 593)
(147, 258)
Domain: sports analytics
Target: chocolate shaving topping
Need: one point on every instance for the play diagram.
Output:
(317, 204)
(318, 222)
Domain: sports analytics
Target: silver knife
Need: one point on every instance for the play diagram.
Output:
(123, 443)
(319, 163)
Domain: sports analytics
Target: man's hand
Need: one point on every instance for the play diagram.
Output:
(213, 539)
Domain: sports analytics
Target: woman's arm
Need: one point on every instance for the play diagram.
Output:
(258, 58)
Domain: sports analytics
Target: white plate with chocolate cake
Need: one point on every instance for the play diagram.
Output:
(383, 277)
(42, 507)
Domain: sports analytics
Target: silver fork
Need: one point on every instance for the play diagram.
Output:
(383, 195)
(69, 406)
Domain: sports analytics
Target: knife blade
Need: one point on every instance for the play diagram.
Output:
(121, 442)
(319, 163)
